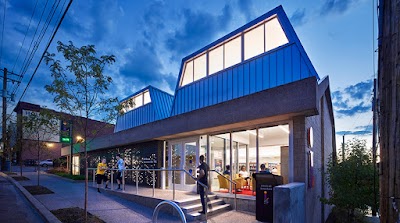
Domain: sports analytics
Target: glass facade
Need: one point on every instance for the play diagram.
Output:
(273, 152)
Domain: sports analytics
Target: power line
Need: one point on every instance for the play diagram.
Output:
(2, 34)
(26, 32)
(47, 47)
(38, 41)
(41, 36)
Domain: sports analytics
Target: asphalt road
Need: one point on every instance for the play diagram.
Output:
(13, 205)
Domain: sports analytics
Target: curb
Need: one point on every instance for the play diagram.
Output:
(43, 211)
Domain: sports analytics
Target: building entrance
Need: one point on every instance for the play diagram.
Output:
(184, 154)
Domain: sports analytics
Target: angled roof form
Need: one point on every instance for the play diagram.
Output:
(281, 64)
(158, 108)
(286, 25)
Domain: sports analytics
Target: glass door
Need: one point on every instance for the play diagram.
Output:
(184, 155)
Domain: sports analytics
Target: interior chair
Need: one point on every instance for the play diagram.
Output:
(223, 182)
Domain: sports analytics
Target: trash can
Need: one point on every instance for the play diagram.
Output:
(265, 182)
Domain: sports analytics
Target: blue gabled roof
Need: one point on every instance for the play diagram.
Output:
(286, 25)
(159, 108)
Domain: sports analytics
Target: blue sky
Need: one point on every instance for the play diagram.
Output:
(149, 39)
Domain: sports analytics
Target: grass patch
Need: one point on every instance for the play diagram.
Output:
(75, 214)
(67, 175)
(36, 190)
(10, 173)
(20, 178)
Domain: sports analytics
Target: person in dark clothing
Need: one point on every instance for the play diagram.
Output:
(227, 170)
(263, 169)
(203, 176)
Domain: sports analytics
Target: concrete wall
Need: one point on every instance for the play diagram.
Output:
(289, 204)
(322, 149)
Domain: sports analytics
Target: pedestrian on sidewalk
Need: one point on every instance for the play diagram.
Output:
(121, 167)
(203, 176)
(101, 177)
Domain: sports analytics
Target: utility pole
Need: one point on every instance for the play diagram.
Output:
(6, 150)
(4, 122)
(343, 145)
(374, 208)
(389, 109)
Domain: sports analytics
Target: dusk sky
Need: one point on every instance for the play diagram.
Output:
(150, 38)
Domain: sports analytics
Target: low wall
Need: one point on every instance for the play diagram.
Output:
(289, 203)
(243, 204)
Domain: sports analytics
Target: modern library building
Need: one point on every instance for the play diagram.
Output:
(249, 98)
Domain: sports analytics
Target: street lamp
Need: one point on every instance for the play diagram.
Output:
(79, 139)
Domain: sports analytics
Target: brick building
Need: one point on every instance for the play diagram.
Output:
(49, 141)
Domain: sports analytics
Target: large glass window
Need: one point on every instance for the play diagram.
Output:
(233, 52)
(187, 77)
(274, 35)
(176, 161)
(273, 152)
(138, 100)
(216, 59)
(254, 42)
(200, 67)
(146, 96)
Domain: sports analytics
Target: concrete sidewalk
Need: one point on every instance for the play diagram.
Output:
(14, 207)
(109, 208)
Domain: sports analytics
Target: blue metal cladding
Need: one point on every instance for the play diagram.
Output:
(158, 108)
(281, 66)
(285, 64)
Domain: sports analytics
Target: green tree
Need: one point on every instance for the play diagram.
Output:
(80, 89)
(351, 180)
(39, 131)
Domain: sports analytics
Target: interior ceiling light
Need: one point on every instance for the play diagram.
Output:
(253, 133)
(284, 129)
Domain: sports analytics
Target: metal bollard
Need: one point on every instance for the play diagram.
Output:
(137, 182)
(154, 183)
(94, 176)
(123, 180)
(112, 180)
(173, 185)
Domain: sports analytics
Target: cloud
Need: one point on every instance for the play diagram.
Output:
(336, 6)
(246, 8)
(298, 17)
(198, 29)
(353, 99)
(144, 68)
(359, 130)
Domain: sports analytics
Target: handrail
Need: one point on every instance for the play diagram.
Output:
(205, 191)
(153, 170)
(174, 205)
(232, 182)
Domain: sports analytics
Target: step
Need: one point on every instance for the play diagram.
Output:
(194, 200)
(197, 206)
(195, 215)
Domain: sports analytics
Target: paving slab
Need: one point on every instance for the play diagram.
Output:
(111, 208)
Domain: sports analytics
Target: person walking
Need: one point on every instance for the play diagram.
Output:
(203, 176)
(100, 173)
(121, 167)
